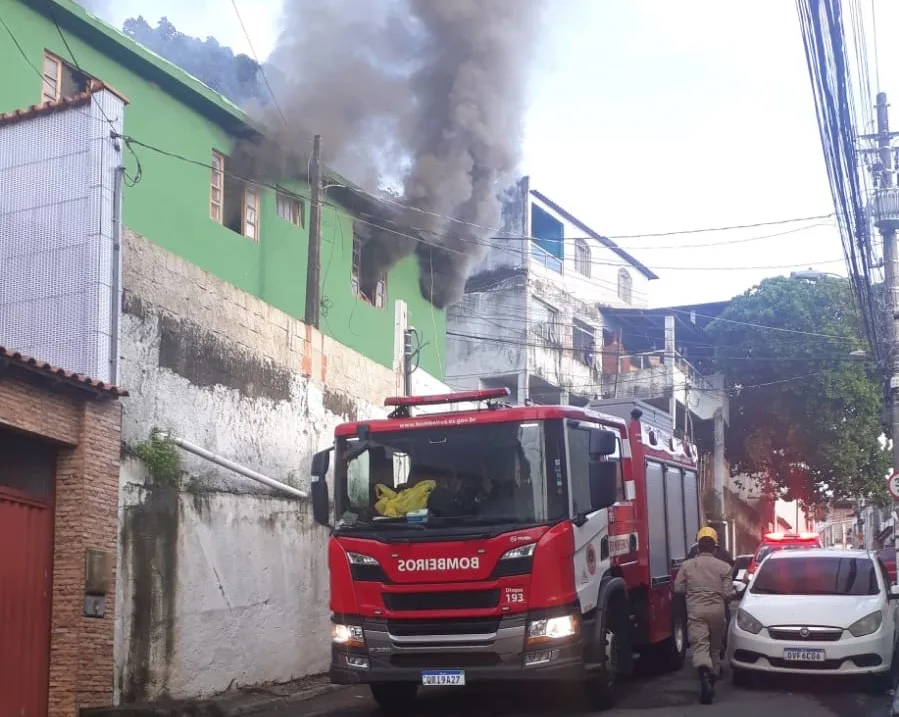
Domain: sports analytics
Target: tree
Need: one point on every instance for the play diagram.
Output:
(805, 414)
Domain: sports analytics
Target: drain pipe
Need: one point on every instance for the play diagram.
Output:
(231, 465)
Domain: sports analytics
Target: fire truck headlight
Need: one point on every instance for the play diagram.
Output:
(553, 628)
(347, 635)
(522, 551)
(360, 559)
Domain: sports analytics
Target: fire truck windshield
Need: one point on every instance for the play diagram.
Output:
(486, 474)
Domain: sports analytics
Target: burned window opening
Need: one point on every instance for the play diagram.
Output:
(60, 79)
(368, 284)
(233, 202)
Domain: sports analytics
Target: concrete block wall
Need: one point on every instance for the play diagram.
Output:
(224, 583)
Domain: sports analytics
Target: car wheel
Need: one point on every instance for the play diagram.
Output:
(880, 683)
(741, 678)
(394, 696)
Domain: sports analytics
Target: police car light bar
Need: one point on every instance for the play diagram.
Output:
(437, 399)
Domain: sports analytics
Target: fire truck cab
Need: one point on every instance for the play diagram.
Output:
(504, 543)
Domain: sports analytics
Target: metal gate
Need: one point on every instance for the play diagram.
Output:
(26, 570)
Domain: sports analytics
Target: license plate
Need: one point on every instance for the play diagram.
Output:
(801, 654)
(443, 678)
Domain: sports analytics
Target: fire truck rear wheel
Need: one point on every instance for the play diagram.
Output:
(673, 651)
(394, 696)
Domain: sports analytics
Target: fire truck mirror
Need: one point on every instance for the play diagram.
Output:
(603, 443)
(321, 461)
(321, 511)
(603, 484)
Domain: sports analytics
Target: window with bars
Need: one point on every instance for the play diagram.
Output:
(371, 289)
(546, 323)
(582, 260)
(584, 342)
(59, 79)
(291, 209)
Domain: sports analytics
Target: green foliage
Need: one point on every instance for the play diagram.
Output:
(808, 415)
(161, 458)
(235, 76)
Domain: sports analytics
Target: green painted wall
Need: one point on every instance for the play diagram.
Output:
(170, 205)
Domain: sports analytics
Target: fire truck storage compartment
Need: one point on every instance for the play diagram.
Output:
(655, 507)
(672, 503)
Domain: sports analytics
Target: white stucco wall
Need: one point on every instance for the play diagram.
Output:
(222, 582)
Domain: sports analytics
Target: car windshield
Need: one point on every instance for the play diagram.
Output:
(460, 475)
(817, 575)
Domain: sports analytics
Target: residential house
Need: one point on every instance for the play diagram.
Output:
(132, 251)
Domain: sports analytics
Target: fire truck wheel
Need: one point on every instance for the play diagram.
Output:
(673, 651)
(394, 696)
(602, 683)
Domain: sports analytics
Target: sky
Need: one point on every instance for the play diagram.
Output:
(651, 116)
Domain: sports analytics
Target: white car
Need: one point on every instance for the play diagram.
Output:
(817, 611)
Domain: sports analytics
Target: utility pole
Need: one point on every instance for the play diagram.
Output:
(886, 218)
(408, 357)
(313, 273)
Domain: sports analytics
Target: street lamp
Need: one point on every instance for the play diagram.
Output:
(813, 275)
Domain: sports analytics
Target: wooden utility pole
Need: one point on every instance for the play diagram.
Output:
(313, 273)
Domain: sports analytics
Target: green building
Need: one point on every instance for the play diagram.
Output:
(252, 236)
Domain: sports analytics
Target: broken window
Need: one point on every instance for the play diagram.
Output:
(233, 202)
(582, 257)
(59, 79)
(546, 323)
(370, 287)
(291, 209)
(584, 342)
(625, 286)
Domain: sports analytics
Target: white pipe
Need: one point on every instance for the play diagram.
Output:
(231, 465)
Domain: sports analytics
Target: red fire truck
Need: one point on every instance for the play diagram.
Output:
(537, 543)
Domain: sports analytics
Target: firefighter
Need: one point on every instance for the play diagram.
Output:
(706, 582)
(722, 554)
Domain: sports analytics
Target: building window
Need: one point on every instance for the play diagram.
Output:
(217, 189)
(250, 226)
(59, 79)
(584, 342)
(233, 202)
(546, 323)
(371, 289)
(625, 286)
(582, 257)
(291, 209)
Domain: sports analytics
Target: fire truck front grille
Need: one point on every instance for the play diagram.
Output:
(438, 660)
(411, 628)
(456, 600)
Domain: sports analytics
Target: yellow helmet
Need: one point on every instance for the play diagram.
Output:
(707, 532)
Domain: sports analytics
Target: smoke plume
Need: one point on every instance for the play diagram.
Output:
(428, 96)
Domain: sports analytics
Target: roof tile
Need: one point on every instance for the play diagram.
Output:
(73, 378)
(82, 98)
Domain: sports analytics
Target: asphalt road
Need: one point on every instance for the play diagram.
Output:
(673, 695)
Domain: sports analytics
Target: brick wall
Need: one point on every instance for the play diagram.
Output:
(86, 499)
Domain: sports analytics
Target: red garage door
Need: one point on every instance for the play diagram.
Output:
(26, 570)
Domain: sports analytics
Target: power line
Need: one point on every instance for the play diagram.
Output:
(246, 34)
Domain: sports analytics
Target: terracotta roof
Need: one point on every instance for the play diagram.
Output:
(74, 379)
(82, 98)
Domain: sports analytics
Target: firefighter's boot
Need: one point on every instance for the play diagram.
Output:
(706, 690)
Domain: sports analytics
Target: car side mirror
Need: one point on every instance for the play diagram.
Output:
(893, 593)
(321, 505)
(739, 588)
(321, 461)
(603, 443)
(603, 484)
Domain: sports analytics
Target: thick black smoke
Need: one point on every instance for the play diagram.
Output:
(427, 95)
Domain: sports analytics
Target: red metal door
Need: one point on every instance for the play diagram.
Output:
(26, 570)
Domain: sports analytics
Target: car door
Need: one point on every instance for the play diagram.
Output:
(891, 607)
